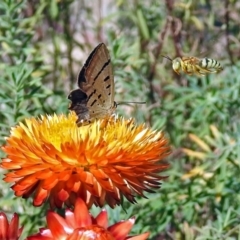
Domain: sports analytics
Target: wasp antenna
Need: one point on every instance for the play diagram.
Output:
(122, 103)
(167, 57)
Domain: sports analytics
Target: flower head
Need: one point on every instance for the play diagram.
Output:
(9, 231)
(80, 225)
(51, 158)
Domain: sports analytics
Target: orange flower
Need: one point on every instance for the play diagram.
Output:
(53, 158)
(80, 225)
(9, 231)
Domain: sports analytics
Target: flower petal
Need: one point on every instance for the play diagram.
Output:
(3, 226)
(120, 230)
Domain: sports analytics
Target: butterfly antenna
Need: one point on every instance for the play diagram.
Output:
(167, 57)
(122, 103)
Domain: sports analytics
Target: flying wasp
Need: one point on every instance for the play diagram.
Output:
(193, 65)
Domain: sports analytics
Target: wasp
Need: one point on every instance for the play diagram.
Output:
(193, 65)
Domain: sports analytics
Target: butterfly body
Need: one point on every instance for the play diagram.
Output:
(94, 99)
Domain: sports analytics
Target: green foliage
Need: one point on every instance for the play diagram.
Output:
(45, 43)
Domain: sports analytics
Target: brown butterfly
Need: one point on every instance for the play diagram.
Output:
(94, 98)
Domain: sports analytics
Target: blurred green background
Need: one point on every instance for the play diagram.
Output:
(44, 44)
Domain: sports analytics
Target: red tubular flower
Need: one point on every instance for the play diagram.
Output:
(80, 225)
(9, 231)
(51, 158)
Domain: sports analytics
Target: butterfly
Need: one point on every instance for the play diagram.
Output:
(94, 99)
